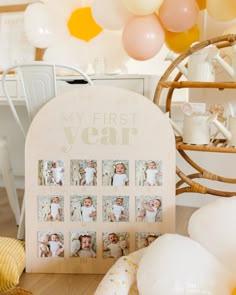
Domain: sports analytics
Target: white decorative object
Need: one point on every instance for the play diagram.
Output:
(214, 227)
(177, 265)
(230, 132)
(230, 70)
(201, 64)
(196, 129)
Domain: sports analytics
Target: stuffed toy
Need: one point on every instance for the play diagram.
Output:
(76, 211)
(75, 244)
(46, 210)
(43, 247)
(124, 245)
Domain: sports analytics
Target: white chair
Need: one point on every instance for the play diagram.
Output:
(39, 85)
(8, 179)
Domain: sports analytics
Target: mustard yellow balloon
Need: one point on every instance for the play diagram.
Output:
(201, 4)
(180, 42)
(82, 25)
(234, 291)
(221, 10)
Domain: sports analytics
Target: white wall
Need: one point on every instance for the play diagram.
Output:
(12, 2)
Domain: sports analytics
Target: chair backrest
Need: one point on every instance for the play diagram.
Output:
(38, 81)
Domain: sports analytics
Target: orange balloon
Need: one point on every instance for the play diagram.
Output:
(201, 4)
(180, 42)
(234, 291)
(82, 25)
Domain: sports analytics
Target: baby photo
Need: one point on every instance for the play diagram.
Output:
(148, 173)
(83, 172)
(50, 244)
(51, 173)
(83, 208)
(115, 173)
(148, 208)
(83, 244)
(144, 239)
(115, 244)
(50, 208)
(115, 208)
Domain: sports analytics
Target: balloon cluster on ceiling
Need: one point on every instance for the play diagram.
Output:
(79, 31)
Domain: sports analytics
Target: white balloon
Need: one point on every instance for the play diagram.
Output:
(73, 52)
(177, 265)
(110, 14)
(108, 46)
(44, 25)
(142, 7)
(37, 25)
(214, 227)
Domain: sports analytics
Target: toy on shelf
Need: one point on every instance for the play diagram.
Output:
(168, 85)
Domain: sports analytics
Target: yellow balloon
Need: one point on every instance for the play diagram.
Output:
(201, 4)
(221, 10)
(234, 291)
(180, 42)
(82, 25)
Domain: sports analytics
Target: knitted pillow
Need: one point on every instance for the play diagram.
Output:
(12, 262)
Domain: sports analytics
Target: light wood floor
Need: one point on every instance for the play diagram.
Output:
(66, 284)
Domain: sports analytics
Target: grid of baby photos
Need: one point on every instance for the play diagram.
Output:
(94, 218)
(99, 180)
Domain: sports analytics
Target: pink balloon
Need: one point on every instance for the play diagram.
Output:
(179, 15)
(143, 37)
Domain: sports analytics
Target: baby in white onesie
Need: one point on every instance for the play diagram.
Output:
(120, 178)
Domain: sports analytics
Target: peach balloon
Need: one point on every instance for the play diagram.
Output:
(143, 37)
(180, 42)
(221, 10)
(179, 16)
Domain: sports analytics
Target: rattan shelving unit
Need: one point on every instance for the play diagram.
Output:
(187, 183)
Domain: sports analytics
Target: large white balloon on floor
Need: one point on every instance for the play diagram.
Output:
(110, 14)
(177, 265)
(214, 227)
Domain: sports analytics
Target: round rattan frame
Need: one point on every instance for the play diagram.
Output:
(186, 182)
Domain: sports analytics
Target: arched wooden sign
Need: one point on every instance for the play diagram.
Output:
(100, 180)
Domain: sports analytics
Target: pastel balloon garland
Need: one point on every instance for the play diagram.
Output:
(141, 27)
